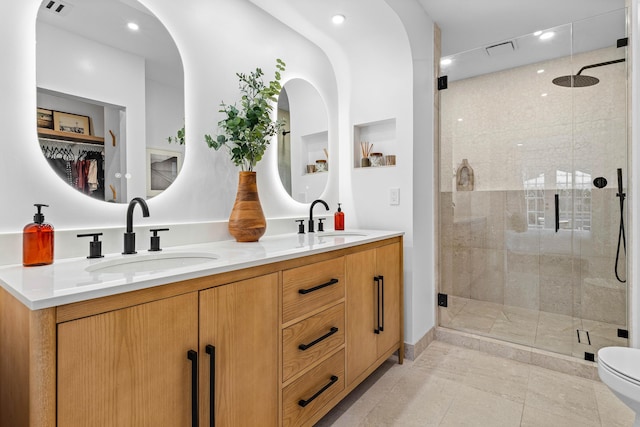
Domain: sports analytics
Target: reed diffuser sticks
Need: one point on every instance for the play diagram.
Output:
(366, 149)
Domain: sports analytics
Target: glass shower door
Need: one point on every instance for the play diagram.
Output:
(523, 230)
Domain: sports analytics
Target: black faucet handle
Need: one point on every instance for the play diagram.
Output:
(321, 224)
(300, 226)
(155, 239)
(95, 246)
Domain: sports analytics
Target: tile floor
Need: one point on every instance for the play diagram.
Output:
(539, 329)
(454, 386)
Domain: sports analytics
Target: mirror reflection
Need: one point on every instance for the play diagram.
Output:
(110, 98)
(303, 145)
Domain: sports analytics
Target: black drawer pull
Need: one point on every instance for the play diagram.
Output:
(381, 278)
(377, 329)
(304, 403)
(315, 288)
(324, 337)
(193, 356)
(211, 351)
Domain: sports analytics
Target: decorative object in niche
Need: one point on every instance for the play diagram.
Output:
(311, 168)
(246, 133)
(163, 167)
(321, 165)
(464, 177)
(376, 159)
(71, 123)
(390, 159)
(365, 148)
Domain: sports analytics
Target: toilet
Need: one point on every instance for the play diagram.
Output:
(619, 369)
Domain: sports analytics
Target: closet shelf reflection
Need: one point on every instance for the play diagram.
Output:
(53, 135)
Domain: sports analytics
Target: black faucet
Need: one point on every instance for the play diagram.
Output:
(130, 236)
(311, 227)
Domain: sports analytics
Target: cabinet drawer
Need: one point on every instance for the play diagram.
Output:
(319, 335)
(313, 390)
(311, 286)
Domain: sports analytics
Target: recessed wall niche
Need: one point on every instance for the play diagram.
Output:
(374, 144)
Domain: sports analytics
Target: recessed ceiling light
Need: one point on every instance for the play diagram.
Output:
(544, 94)
(547, 35)
(540, 71)
(537, 33)
(338, 19)
(446, 61)
(133, 26)
(460, 119)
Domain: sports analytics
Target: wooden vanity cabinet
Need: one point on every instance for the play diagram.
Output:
(287, 340)
(128, 366)
(373, 307)
(131, 366)
(239, 339)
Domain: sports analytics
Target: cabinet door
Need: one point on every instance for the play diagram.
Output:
(240, 321)
(361, 313)
(128, 367)
(388, 270)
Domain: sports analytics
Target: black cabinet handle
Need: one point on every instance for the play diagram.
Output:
(376, 330)
(557, 200)
(381, 278)
(332, 331)
(315, 288)
(193, 356)
(304, 403)
(211, 351)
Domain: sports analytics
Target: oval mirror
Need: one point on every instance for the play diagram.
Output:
(303, 145)
(110, 97)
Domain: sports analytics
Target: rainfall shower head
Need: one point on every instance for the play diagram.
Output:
(575, 81)
(579, 80)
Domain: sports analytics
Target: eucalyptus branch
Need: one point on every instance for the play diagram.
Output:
(246, 132)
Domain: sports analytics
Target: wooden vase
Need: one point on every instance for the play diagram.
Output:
(247, 222)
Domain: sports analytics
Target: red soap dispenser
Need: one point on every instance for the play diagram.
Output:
(37, 241)
(338, 219)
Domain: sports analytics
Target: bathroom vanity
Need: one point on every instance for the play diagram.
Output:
(273, 333)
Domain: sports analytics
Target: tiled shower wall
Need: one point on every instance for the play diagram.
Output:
(488, 253)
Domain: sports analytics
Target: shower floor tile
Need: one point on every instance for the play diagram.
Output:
(538, 329)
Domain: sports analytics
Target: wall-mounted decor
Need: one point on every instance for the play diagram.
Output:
(464, 177)
(162, 169)
(72, 123)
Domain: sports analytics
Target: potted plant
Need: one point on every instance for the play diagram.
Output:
(246, 132)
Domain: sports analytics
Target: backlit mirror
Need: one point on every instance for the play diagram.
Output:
(110, 95)
(303, 145)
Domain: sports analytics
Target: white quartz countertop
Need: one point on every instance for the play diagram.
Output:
(79, 279)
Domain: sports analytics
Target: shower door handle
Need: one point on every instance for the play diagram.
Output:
(557, 200)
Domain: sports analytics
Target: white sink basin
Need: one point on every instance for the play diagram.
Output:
(150, 262)
(340, 234)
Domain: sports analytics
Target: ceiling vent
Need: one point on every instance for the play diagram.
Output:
(56, 7)
(500, 48)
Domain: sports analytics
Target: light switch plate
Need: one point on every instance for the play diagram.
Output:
(394, 196)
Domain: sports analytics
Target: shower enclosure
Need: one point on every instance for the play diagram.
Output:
(528, 242)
